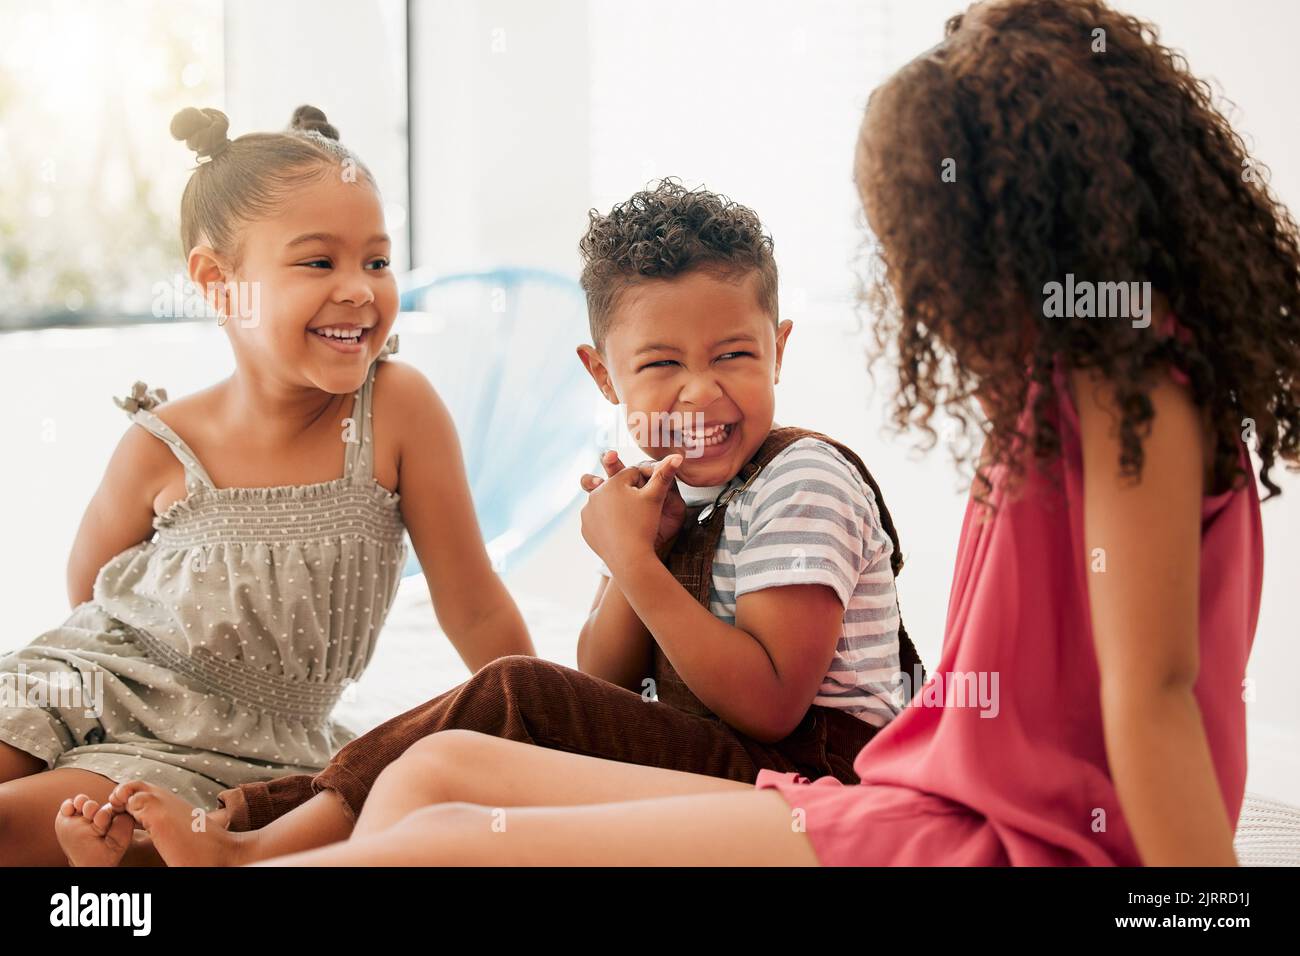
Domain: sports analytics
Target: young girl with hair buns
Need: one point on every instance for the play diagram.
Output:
(235, 566)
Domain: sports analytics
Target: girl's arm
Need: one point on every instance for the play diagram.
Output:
(1145, 624)
(472, 605)
(120, 513)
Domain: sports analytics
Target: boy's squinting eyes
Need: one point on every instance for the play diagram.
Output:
(700, 349)
(722, 349)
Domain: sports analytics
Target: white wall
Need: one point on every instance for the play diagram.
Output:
(500, 132)
(346, 57)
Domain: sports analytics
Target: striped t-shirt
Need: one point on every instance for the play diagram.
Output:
(810, 518)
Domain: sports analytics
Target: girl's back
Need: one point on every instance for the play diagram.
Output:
(1002, 752)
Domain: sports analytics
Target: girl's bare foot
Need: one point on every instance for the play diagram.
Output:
(90, 834)
(182, 834)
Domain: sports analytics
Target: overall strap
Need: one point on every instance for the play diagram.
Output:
(139, 404)
(691, 559)
(359, 463)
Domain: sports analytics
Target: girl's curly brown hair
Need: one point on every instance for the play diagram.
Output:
(1079, 145)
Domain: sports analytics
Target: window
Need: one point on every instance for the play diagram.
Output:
(90, 178)
(91, 183)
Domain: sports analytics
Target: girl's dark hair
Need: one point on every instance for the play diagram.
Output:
(246, 178)
(1073, 142)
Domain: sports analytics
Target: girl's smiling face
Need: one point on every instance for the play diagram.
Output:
(317, 273)
(696, 349)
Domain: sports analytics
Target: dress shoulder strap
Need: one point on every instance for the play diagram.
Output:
(360, 461)
(139, 405)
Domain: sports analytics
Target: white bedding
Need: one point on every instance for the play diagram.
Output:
(414, 662)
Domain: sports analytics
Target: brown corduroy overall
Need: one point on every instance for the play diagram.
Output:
(540, 702)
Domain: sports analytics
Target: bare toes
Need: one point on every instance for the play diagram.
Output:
(123, 792)
(103, 819)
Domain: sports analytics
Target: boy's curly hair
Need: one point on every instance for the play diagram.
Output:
(1079, 145)
(667, 230)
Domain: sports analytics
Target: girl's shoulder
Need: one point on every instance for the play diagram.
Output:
(406, 408)
(401, 393)
(189, 412)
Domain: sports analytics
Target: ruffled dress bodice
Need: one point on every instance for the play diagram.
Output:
(273, 597)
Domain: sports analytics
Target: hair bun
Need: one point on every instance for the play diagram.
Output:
(311, 120)
(203, 131)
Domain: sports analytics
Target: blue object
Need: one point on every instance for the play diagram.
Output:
(500, 348)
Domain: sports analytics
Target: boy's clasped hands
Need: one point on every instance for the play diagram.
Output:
(632, 510)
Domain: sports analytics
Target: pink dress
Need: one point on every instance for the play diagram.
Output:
(1029, 784)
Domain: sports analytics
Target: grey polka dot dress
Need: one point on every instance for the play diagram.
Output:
(213, 654)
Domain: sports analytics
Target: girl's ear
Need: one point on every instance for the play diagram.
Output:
(208, 272)
(595, 365)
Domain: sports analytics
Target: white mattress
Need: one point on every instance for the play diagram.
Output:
(414, 662)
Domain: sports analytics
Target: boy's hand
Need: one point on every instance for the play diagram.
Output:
(674, 508)
(625, 514)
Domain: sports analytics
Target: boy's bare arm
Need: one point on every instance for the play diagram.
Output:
(614, 645)
(760, 675)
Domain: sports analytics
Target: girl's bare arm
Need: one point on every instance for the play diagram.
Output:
(1145, 625)
(120, 513)
(472, 604)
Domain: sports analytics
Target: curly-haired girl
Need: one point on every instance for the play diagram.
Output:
(1113, 580)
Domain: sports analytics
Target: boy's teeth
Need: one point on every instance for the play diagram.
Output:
(713, 435)
(333, 333)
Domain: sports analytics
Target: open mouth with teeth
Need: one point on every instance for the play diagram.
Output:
(708, 441)
(713, 435)
(343, 338)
